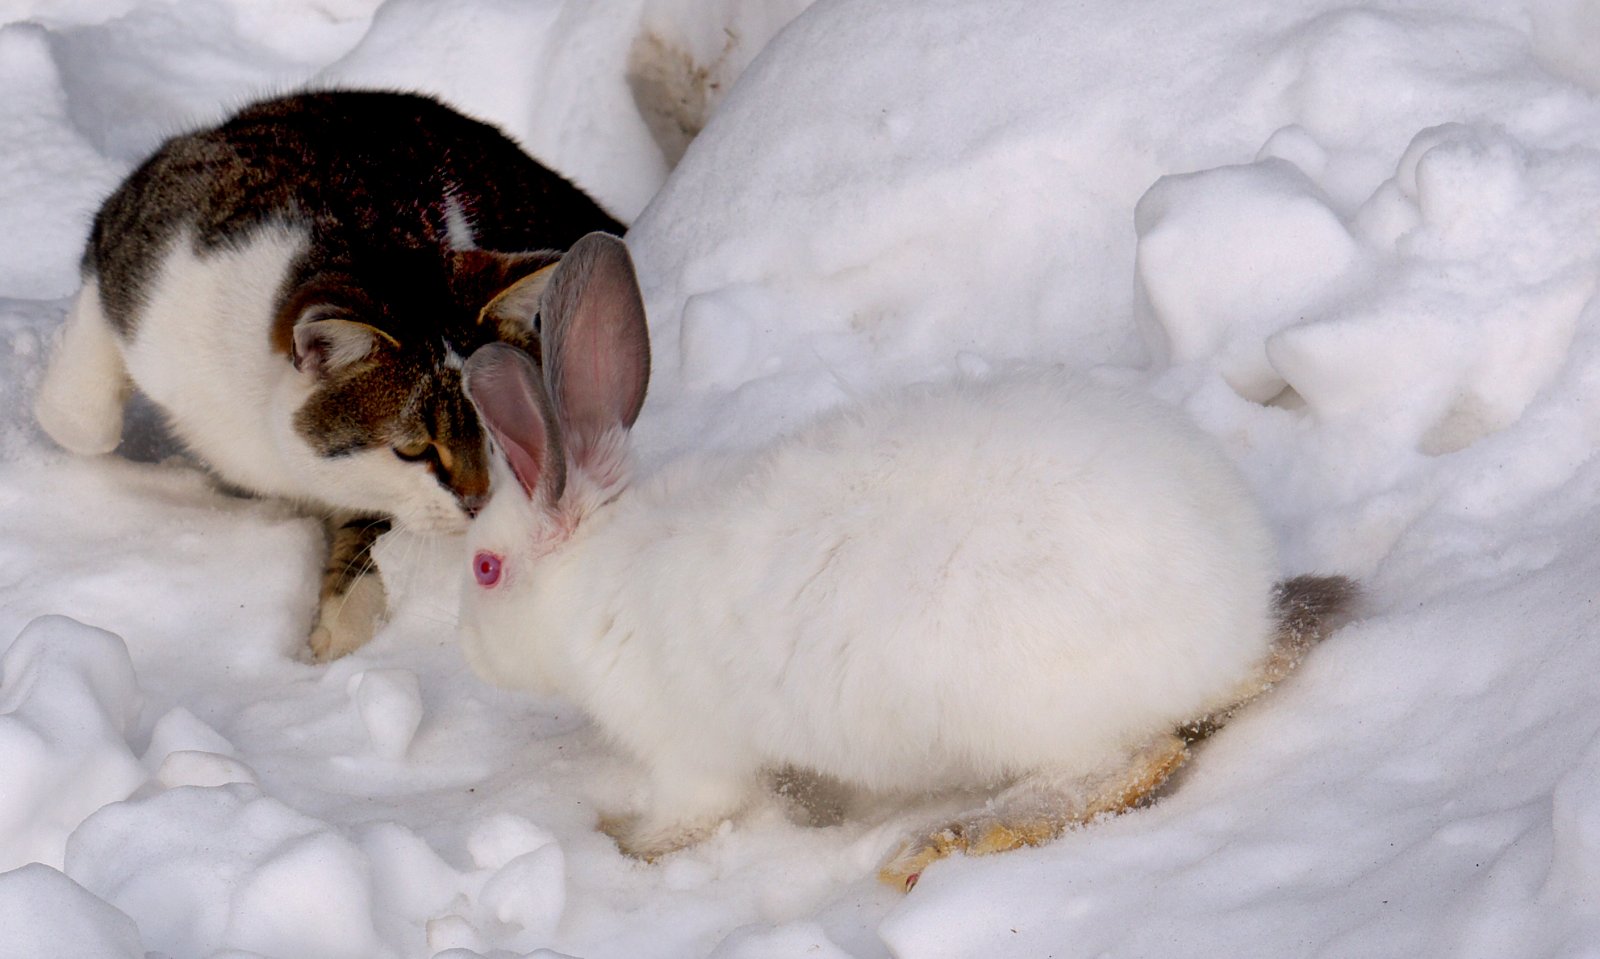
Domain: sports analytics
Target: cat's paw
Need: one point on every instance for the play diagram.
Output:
(346, 621)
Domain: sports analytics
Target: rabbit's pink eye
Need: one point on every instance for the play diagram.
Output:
(486, 566)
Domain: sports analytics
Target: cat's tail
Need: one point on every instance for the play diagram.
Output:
(85, 386)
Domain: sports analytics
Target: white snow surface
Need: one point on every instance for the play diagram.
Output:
(1358, 241)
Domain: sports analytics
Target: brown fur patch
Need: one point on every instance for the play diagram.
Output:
(349, 552)
(1309, 608)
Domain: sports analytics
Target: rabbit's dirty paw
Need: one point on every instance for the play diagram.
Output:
(638, 838)
(975, 837)
(1037, 809)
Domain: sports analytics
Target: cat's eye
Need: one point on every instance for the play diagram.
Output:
(417, 453)
(486, 568)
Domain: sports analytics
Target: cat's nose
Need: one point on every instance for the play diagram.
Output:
(473, 504)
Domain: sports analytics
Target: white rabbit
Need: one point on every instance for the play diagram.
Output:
(1030, 582)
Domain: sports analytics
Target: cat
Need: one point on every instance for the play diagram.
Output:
(296, 289)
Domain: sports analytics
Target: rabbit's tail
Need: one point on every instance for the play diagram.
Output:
(1308, 610)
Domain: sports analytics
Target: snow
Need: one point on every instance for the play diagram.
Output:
(67, 698)
(1357, 242)
(390, 704)
(1211, 292)
(208, 868)
(79, 923)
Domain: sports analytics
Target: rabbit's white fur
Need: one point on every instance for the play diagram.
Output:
(961, 584)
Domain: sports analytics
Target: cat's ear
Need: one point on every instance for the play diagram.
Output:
(325, 346)
(513, 309)
(318, 325)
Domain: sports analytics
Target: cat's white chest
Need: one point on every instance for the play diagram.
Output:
(202, 350)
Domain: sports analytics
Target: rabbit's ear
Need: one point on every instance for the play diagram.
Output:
(595, 343)
(504, 386)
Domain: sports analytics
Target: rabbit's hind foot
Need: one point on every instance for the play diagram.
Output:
(1037, 809)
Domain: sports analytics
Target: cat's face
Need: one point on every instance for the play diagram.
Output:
(403, 435)
(386, 422)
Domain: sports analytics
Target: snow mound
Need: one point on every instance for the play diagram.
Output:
(208, 869)
(389, 702)
(44, 913)
(68, 698)
(1489, 259)
(1476, 253)
(193, 767)
(1227, 257)
(179, 730)
(228, 867)
(528, 893)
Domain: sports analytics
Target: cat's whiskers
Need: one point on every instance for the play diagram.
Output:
(412, 549)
